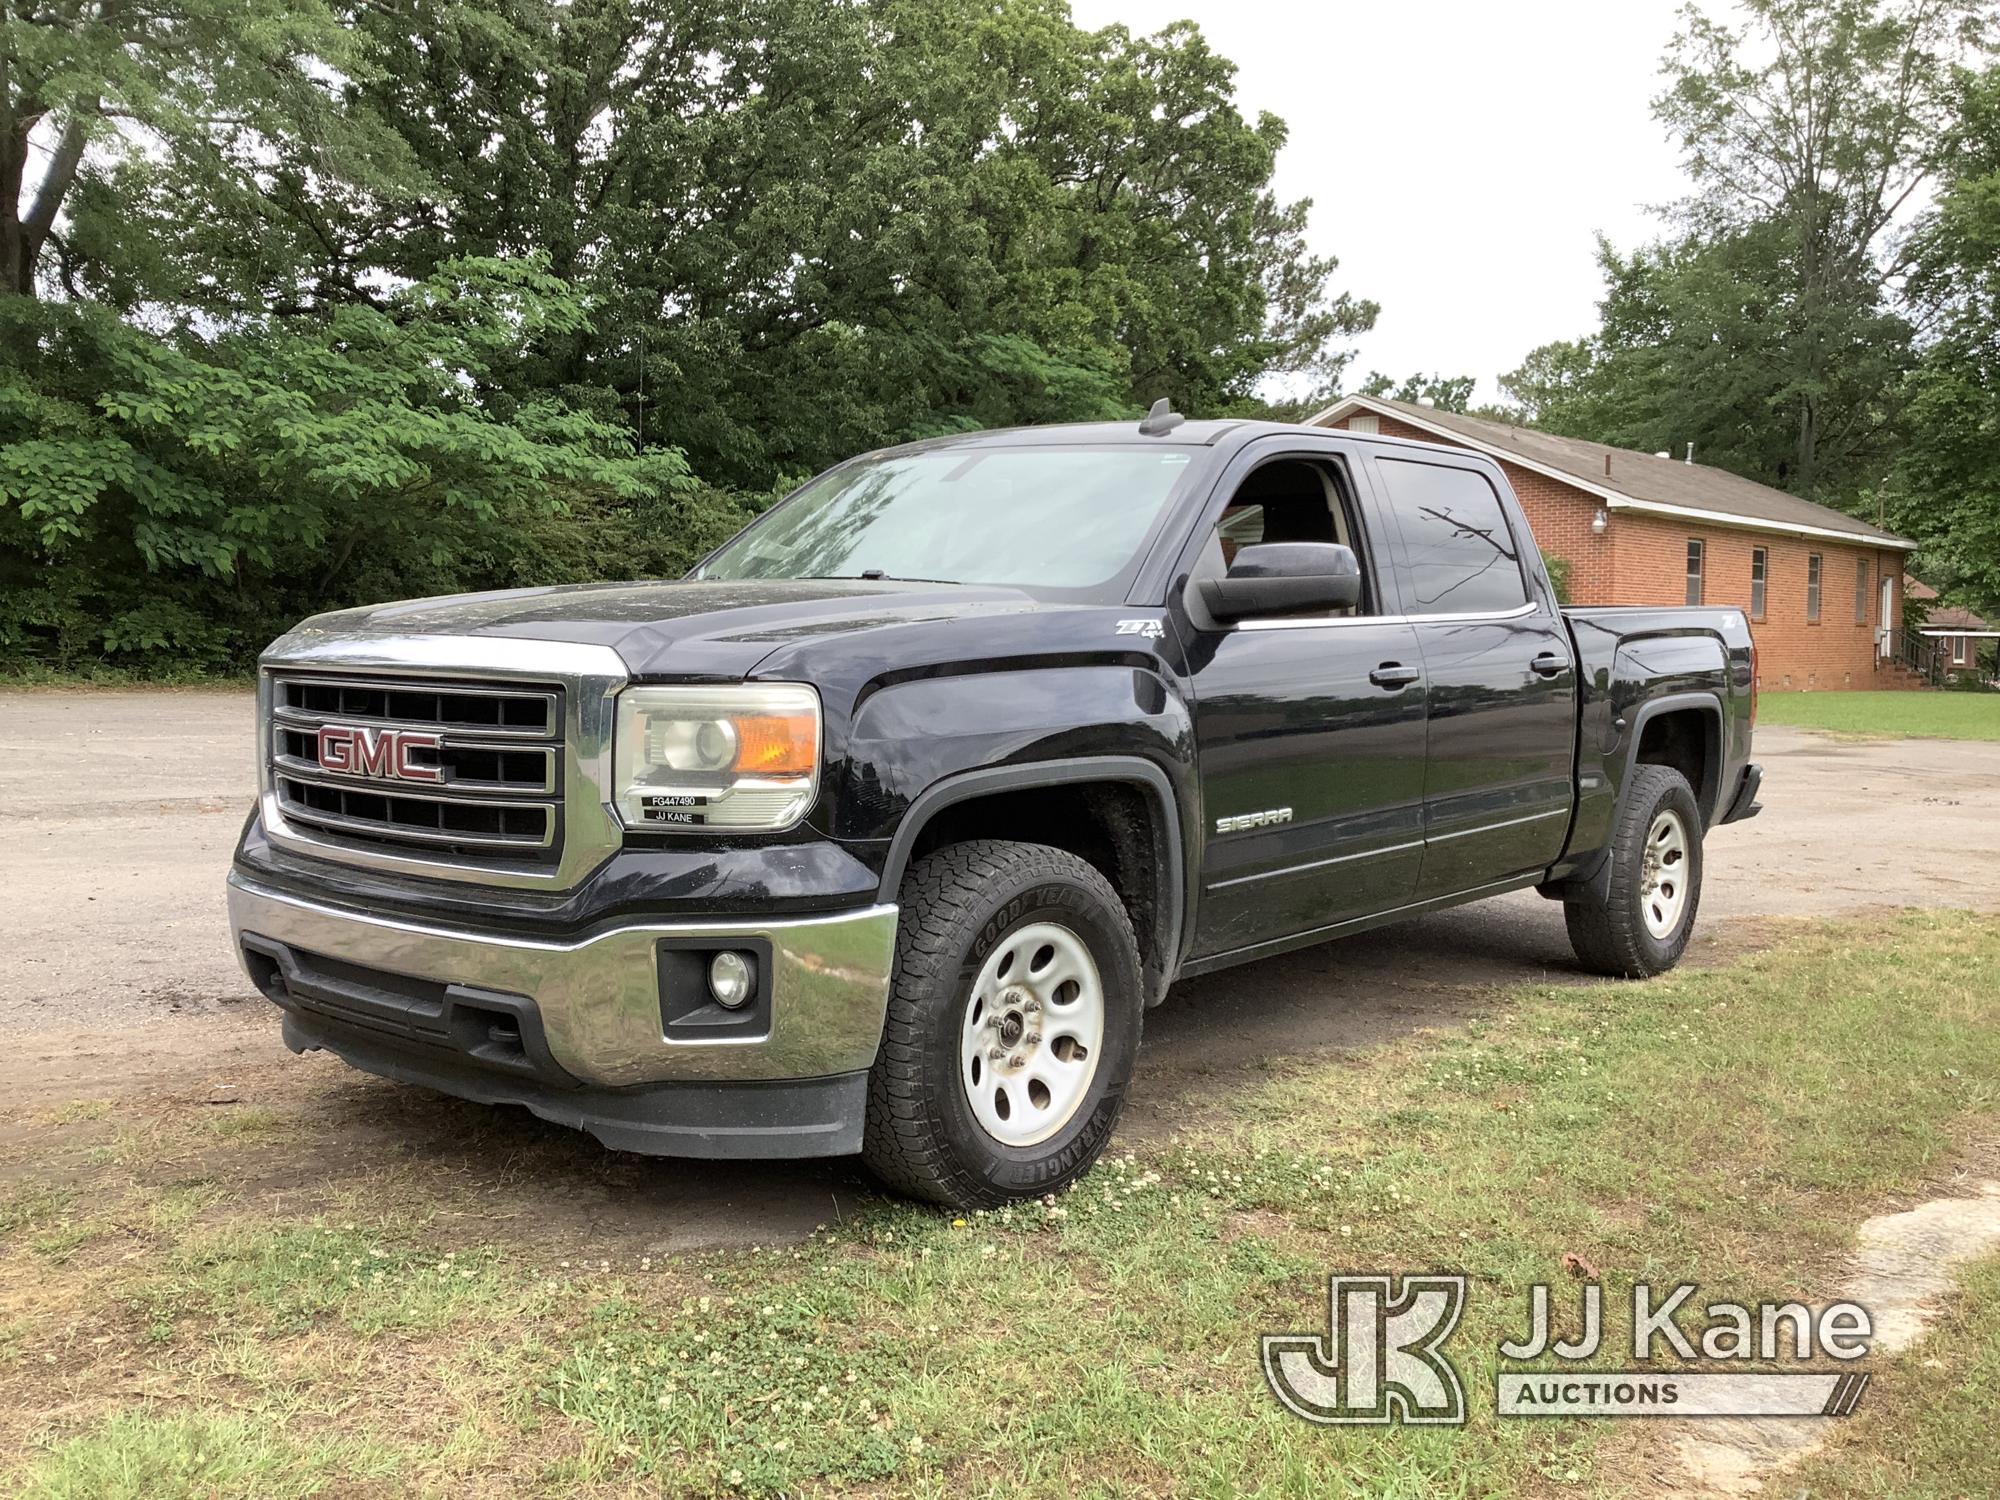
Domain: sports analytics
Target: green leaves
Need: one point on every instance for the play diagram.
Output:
(1770, 329)
(854, 224)
(385, 308)
(250, 464)
(1946, 491)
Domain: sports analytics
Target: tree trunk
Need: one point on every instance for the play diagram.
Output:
(15, 124)
(31, 233)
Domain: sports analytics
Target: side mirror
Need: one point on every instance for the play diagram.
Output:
(1278, 578)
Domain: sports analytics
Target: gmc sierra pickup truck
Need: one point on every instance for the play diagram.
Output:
(881, 830)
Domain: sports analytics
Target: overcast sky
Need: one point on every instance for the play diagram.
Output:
(1460, 155)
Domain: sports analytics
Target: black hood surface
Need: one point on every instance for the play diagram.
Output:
(707, 629)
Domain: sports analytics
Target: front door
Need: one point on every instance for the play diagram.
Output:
(1310, 733)
(1501, 677)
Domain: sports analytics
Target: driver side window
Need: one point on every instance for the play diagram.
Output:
(1285, 500)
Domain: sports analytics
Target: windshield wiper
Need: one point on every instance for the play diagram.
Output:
(868, 575)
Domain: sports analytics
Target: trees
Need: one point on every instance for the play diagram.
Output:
(650, 240)
(182, 498)
(1814, 149)
(1767, 329)
(806, 229)
(1699, 342)
(1946, 492)
(196, 98)
(1446, 392)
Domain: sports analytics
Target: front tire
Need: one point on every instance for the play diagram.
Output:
(1013, 1025)
(1641, 924)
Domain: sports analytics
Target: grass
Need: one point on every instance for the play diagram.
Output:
(1727, 1126)
(1939, 715)
(1926, 1425)
(163, 1454)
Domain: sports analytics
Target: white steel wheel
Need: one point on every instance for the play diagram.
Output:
(1663, 880)
(1033, 1029)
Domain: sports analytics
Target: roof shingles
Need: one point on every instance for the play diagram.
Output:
(1640, 477)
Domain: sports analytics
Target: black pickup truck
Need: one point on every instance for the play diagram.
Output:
(880, 831)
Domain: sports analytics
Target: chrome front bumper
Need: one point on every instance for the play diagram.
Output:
(599, 997)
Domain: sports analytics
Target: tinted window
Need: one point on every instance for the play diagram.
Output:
(1760, 566)
(1460, 555)
(1070, 519)
(1694, 572)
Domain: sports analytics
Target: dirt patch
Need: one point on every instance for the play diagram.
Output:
(1902, 1265)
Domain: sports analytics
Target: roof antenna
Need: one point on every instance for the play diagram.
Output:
(1161, 420)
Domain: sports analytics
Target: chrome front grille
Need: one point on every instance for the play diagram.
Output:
(486, 710)
(480, 778)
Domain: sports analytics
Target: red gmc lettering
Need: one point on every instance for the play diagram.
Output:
(386, 753)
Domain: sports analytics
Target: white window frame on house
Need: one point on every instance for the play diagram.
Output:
(1815, 567)
(1760, 577)
(1861, 579)
(1958, 653)
(1696, 554)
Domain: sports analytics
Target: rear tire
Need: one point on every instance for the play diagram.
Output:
(1020, 950)
(1641, 924)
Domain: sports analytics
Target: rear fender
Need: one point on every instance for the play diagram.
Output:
(1603, 788)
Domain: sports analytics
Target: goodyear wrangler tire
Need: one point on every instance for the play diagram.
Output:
(1642, 924)
(1013, 1024)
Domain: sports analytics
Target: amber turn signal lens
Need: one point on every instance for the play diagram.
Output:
(776, 745)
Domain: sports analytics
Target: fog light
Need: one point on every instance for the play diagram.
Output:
(731, 979)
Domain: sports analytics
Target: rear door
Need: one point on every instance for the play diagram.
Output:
(1310, 728)
(1502, 686)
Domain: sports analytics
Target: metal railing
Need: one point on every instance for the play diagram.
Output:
(1920, 654)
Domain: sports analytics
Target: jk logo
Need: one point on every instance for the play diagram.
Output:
(1379, 1360)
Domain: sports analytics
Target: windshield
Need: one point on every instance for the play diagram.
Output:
(1071, 519)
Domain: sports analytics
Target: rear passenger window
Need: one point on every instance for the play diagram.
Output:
(1460, 556)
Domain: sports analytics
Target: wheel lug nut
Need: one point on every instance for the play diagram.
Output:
(995, 1055)
(1033, 1038)
(1033, 1007)
(1017, 1062)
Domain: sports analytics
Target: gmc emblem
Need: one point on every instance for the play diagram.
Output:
(354, 750)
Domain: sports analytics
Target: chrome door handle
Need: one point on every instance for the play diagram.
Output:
(1393, 674)
(1549, 664)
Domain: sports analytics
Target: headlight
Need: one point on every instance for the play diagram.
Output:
(716, 757)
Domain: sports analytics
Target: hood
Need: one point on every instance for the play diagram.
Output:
(708, 629)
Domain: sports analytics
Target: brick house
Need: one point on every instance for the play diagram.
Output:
(1823, 590)
(1964, 641)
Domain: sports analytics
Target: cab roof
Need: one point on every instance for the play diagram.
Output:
(1189, 434)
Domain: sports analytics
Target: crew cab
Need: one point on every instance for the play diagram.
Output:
(881, 830)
